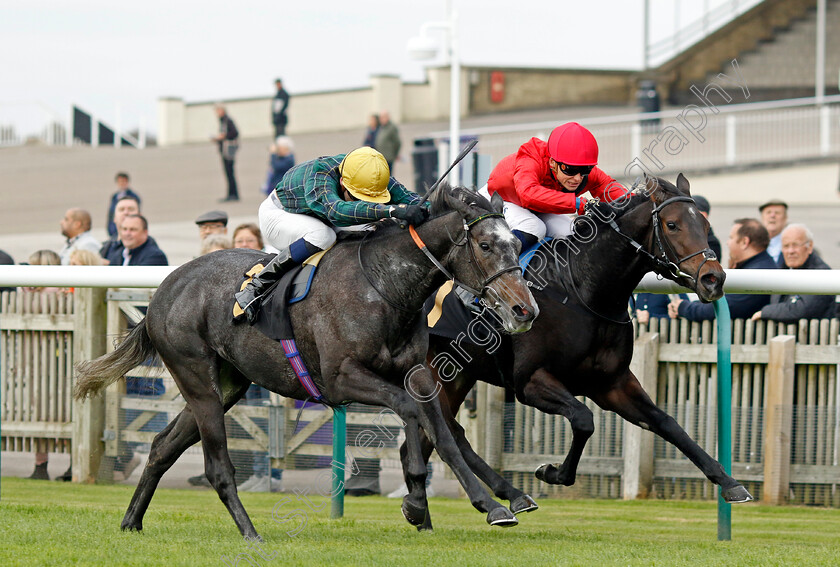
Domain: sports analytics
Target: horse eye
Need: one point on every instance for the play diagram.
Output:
(484, 246)
(671, 225)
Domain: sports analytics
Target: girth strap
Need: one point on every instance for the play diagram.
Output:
(293, 354)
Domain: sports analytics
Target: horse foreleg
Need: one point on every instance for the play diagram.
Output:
(546, 393)
(356, 382)
(630, 401)
(451, 398)
(437, 422)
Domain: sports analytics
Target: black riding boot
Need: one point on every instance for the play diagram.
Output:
(249, 298)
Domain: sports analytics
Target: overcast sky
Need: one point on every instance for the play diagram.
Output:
(103, 53)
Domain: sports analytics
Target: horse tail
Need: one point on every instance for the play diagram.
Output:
(96, 375)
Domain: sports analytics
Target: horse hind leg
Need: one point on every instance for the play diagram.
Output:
(549, 395)
(167, 447)
(630, 401)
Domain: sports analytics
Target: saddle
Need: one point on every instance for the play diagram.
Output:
(273, 316)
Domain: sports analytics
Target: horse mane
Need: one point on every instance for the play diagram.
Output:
(441, 199)
(660, 189)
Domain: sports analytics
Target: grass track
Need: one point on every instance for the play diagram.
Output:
(60, 524)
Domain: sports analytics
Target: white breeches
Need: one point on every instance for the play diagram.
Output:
(280, 228)
(538, 224)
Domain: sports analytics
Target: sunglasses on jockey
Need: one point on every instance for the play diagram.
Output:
(572, 170)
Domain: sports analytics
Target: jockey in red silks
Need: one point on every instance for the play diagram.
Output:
(542, 183)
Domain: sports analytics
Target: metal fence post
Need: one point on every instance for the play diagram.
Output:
(338, 464)
(724, 402)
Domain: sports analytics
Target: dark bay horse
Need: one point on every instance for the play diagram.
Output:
(582, 342)
(361, 331)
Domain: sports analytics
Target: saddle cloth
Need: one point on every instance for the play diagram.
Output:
(273, 317)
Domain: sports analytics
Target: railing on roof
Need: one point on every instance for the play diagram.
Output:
(696, 137)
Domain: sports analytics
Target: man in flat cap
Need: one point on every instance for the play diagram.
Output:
(212, 222)
(774, 218)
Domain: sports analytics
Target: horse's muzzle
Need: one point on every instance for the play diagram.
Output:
(710, 284)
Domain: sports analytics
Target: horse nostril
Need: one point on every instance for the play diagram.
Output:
(523, 313)
(709, 281)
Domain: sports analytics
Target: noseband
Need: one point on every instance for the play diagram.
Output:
(664, 263)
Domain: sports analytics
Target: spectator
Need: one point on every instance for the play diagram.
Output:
(215, 242)
(654, 305)
(125, 206)
(138, 249)
(388, 139)
(212, 222)
(6, 260)
(282, 160)
(86, 258)
(704, 208)
(798, 252)
(248, 235)
(774, 218)
(43, 258)
(75, 226)
(279, 105)
(228, 141)
(123, 190)
(747, 244)
(372, 130)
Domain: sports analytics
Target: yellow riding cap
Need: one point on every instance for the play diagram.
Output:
(365, 174)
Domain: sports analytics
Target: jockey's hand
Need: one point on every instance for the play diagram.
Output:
(600, 209)
(414, 214)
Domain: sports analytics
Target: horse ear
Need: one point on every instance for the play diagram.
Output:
(497, 202)
(651, 184)
(682, 184)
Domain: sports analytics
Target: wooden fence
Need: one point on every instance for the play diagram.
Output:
(786, 416)
(36, 370)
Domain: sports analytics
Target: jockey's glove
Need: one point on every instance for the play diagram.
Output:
(414, 214)
(600, 209)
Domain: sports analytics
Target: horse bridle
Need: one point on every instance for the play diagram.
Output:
(472, 260)
(672, 268)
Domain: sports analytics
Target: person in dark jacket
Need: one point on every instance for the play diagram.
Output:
(747, 245)
(228, 141)
(282, 160)
(371, 131)
(279, 104)
(137, 248)
(798, 253)
(123, 191)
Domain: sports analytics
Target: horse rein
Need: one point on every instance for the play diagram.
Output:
(423, 248)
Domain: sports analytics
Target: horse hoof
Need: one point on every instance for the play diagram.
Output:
(126, 527)
(501, 517)
(737, 494)
(426, 526)
(523, 504)
(540, 472)
(415, 515)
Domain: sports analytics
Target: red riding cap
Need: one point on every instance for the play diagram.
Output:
(573, 144)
